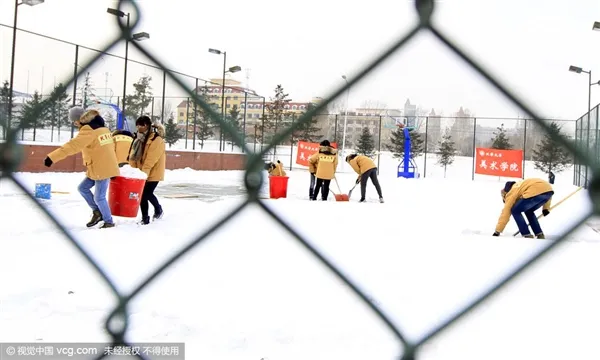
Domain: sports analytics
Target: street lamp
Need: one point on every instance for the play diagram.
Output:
(579, 70)
(12, 58)
(596, 26)
(225, 71)
(345, 118)
(137, 37)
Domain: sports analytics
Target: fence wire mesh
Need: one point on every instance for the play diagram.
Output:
(11, 156)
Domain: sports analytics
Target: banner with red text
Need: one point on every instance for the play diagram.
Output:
(495, 162)
(305, 150)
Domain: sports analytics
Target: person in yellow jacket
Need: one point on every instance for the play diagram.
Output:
(525, 197)
(123, 140)
(275, 169)
(97, 147)
(366, 169)
(148, 154)
(323, 164)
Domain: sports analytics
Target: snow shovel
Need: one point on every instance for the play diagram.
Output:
(350, 192)
(340, 196)
(555, 205)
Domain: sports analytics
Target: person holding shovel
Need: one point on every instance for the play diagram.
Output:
(525, 197)
(323, 164)
(366, 169)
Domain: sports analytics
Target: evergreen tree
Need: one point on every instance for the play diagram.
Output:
(549, 154)
(86, 92)
(110, 120)
(172, 132)
(57, 107)
(204, 124)
(136, 104)
(500, 141)
(396, 145)
(366, 144)
(446, 152)
(277, 113)
(233, 119)
(4, 104)
(308, 131)
(32, 113)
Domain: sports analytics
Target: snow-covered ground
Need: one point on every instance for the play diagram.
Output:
(251, 291)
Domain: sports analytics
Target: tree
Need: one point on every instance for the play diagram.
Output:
(396, 146)
(57, 109)
(549, 154)
(158, 109)
(31, 113)
(446, 152)
(366, 144)
(110, 120)
(172, 133)
(4, 103)
(136, 104)
(233, 119)
(87, 91)
(308, 131)
(204, 124)
(277, 112)
(500, 141)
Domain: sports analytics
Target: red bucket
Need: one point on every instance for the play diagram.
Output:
(278, 186)
(124, 196)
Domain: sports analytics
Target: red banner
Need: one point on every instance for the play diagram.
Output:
(496, 162)
(305, 150)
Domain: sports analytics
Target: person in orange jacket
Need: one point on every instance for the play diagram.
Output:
(525, 197)
(275, 169)
(94, 142)
(123, 140)
(366, 169)
(323, 164)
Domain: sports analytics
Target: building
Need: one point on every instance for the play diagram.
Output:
(246, 100)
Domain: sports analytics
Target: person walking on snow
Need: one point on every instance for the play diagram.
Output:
(525, 197)
(365, 168)
(148, 154)
(97, 148)
(323, 164)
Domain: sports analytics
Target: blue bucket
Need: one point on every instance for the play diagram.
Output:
(43, 191)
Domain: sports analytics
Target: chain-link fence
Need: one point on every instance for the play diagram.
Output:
(586, 137)
(11, 155)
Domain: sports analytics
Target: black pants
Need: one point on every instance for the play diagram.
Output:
(148, 196)
(321, 183)
(363, 182)
(312, 186)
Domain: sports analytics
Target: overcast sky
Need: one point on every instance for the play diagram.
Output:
(528, 44)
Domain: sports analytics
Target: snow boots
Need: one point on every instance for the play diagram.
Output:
(96, 218)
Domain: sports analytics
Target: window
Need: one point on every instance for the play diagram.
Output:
(181, 113)
(302, 107)
(235, 98)
(294, 107)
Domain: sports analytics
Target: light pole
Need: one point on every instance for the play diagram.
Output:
(225, 71)
(579, 70)
(596, 26)
(345, 121)
(137, 37)
(12, 59)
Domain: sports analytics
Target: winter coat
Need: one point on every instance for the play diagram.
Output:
(323, 163)
(276, 169)
(521, 190)
(96, 145)
(361, 164)
(154, 158)
(123, 140)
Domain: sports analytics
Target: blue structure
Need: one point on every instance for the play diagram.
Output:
(407, 168)
(122, 124)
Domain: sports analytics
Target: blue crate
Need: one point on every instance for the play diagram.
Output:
(43, 191)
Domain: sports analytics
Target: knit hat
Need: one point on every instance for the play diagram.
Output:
(75, 113)
(325, 143)
(508, 186)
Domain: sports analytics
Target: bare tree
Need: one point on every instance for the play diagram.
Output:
(158, 110)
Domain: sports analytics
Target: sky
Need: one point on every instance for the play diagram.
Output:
(528, 45)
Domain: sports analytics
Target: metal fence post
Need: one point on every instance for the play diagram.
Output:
(162, 107)
(292, 142)
(75, 85)
(244, 124)
(262, 126)
(152, 108)
(187, 120)
(524, 149)
(474, 146)
(335, 139)
(195, 116)
(426, 142)
(379, 146)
